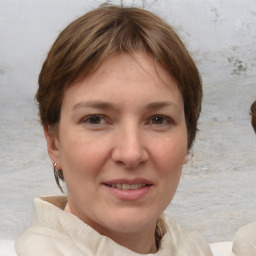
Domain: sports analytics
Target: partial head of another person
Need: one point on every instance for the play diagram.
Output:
(253, 115)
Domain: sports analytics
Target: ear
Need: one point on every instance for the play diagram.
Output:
(53, 146)
(186, 158)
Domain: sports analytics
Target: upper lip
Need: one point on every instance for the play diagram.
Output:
(129, 181)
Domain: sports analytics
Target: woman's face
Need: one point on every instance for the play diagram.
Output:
(122, 142)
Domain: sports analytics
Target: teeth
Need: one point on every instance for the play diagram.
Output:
(127, 186)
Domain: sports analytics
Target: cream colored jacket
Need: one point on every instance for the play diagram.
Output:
(55, 232)
(244, 243)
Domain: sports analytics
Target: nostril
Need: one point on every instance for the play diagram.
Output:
(129, 149)
(120, 162)
(130, 165)
(130, 157)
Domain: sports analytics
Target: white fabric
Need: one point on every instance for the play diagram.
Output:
(244, 240)
(218, 249)
(244, 243)
(7, 248)
(222, 248)
(56, 232)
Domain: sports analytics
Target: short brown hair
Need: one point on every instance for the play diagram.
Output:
(253, 115)
(106, 31)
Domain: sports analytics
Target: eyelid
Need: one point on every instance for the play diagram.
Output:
(169, 120)
(85, 119)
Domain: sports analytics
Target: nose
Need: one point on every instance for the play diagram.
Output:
(130, 149)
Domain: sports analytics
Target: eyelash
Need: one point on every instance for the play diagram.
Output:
(97, 119)
(88, 119)
(167, 120)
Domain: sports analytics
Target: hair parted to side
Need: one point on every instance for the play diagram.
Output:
(106, 31)
(253, 115)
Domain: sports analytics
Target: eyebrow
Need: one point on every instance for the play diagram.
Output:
(157, 105)
(108, 105)
(94, 104)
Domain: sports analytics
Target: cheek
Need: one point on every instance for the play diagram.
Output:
(171, 155)
(82, 156)
(170, 158)
(81, 166)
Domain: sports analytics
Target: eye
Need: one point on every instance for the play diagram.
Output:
(94, 120)
(161, 120)
(158, 120)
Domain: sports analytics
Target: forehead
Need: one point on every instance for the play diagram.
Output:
(126, 75)
(140, 64)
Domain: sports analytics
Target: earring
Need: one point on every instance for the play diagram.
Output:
(56, 171)
(58, 174)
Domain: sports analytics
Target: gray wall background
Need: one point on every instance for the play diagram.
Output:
(217, 193)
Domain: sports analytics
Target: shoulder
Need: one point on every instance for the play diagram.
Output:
(244, 242)
(186, 242)
(248, 230)
(46, 235)
(175, 229)
(7, 248)
(41, 242)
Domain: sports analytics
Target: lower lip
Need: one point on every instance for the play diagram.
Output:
(129, 195)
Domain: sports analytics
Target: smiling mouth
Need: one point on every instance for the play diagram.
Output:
(127, 189)
(127, 186)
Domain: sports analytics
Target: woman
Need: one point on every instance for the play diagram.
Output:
(245, 238)
(119, 98)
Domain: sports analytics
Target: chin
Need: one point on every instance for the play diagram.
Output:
(131, 222)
